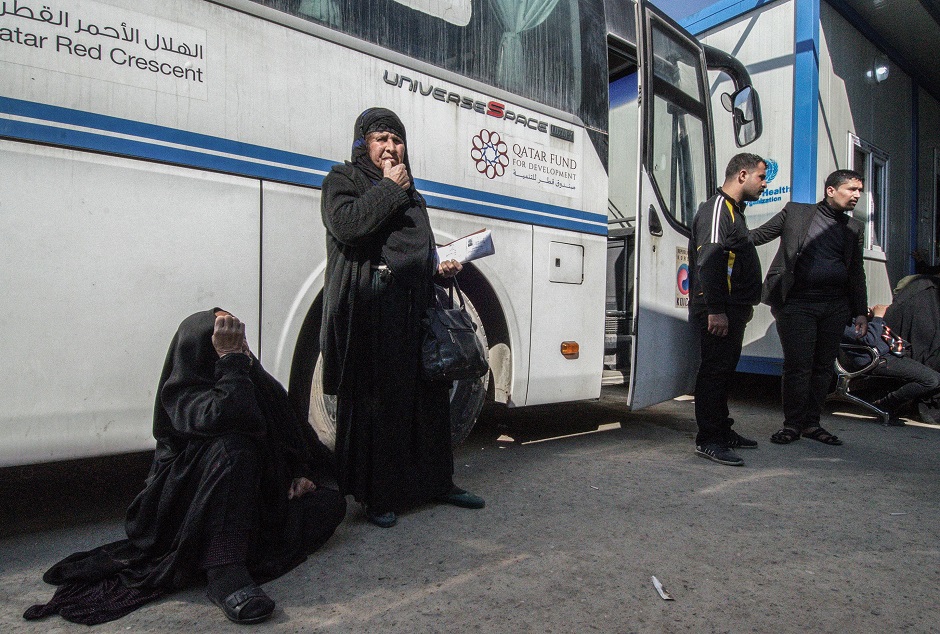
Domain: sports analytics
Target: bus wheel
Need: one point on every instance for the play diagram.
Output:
(466, 399)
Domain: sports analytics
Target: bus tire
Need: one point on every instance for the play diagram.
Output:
(466, 399)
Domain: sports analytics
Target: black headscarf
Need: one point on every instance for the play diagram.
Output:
(185, 408)
(376, 120)
(407, 245)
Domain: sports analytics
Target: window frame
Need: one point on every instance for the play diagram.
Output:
(657, 87)
(874, 204)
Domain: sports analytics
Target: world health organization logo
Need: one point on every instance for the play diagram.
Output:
(772, 169)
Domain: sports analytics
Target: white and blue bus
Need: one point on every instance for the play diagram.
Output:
(165, 157)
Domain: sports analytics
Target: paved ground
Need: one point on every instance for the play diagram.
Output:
(805, 537)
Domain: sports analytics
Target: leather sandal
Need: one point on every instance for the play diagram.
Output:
(784, 436)
(821, 435)
(234, 604)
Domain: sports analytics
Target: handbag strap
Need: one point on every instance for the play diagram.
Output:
(451, 284)
(452, 287)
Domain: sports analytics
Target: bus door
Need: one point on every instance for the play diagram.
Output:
(623, 161)
(676, 174)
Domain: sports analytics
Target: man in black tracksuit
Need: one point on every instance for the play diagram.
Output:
(815, 283)
(726, 285)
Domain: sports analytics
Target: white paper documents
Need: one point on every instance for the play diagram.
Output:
(472, 247)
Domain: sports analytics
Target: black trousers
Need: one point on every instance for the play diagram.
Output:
(810, 333)
(720, 357)
(919, 380)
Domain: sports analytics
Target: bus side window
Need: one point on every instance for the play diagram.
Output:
(553, 56)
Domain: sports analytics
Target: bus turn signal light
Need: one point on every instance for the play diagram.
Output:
(569, 349)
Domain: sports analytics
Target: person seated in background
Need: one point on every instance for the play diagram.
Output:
(915, 316)
(918, 380)
(239, 490)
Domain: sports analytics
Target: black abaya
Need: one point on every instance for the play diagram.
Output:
(228, 448)
(393, 446)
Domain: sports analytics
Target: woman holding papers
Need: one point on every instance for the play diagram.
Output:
(392, 429)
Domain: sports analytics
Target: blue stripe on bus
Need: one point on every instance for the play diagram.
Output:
(513, 215)
(433, 187)
(141, 149)
(625, 90)
(526, 211)
(106, 123)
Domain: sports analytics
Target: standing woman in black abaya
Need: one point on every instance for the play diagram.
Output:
(393, 447)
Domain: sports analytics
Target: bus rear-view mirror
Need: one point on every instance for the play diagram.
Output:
(744, 106)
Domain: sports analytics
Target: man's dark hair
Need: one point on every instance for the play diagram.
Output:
(841, 176)
(743, 161)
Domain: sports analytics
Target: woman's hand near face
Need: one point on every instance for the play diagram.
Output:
(228, 335)
(397, 173)
(449, 268)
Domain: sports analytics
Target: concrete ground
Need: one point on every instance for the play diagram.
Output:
(805, 537)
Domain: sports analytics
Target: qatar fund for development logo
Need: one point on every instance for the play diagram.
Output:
(490, 154)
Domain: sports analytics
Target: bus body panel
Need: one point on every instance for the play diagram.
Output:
(95, 287)
(293, 258)
(569, 271)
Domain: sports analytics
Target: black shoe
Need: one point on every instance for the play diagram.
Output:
(463, 499)
(248, 605)
(384, 520)
(737, 441)
(720, 454)
(888, 407)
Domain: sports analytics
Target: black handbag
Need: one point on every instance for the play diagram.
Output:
(451, 350)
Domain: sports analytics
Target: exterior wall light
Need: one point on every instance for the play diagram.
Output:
(879, 71)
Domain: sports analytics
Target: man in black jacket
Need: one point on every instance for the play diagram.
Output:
(725, 281)
(815, 284)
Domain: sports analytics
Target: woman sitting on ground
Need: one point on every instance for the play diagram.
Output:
(238, 492)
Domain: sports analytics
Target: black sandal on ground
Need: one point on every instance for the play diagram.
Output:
(784, 436)
(821, 435)
(234, 604)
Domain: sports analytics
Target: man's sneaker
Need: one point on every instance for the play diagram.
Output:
(720, 454)
(737, 441)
